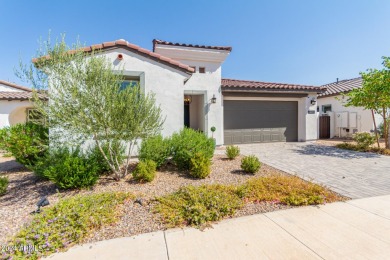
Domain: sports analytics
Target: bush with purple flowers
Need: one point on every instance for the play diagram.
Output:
(67, 223)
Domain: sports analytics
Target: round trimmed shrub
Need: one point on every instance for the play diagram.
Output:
(232, 152)
(364, 139)
(70, 169)
(200, 166)
(4, 132)
(145, 171)
(26, 142)
(156, 148)
(3, 185)
(250, 164)
(187, 143)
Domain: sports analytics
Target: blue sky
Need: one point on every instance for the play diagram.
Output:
(301, 41)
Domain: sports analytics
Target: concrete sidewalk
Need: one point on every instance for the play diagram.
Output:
(357, 229)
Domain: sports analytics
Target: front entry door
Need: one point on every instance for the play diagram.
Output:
(187, 115)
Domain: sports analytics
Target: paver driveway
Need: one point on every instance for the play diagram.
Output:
(353, 174)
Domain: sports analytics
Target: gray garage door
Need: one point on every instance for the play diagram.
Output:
(260, 121)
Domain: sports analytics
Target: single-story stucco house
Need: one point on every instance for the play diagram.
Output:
(187, 82)
(337, 120)
(15, 104)
(188, 85)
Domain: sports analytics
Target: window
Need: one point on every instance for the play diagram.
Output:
(129, 82)
(326, 108)
(194, 67)
(202, 70)
(34, 116)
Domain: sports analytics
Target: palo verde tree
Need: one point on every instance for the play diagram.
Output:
(374, 94)
(87, 103)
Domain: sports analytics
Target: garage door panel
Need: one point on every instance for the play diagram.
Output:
(260, 121)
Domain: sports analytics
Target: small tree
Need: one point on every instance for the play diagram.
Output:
(374, 95)
(87, 103)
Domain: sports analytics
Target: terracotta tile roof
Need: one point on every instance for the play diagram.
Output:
(8, 95)
(13, 85)
(234, 84)
(141, 51)
(341, 86)
(223, 48)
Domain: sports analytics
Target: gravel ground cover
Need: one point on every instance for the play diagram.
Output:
(335, 141)
(25, 190)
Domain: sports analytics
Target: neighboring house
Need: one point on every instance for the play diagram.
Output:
(15, 105)
(187, 83)
(343, 121)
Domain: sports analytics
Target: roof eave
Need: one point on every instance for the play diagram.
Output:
(270, 90)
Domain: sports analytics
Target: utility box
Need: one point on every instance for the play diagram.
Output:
(352, 120)
(341, 119)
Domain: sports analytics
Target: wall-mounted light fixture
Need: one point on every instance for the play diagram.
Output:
(187, 99)
(214, 99)
(313, 101)
(120, 57)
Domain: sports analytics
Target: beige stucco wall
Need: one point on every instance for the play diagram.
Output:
(364, 117)
(165, 82)
(13, 112)
(170, 85)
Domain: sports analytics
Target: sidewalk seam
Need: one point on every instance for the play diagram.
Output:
(369, 211)
(294, 237)
(166, 245)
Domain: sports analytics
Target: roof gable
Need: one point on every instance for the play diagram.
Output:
(138, 50)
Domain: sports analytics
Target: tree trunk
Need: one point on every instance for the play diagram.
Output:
(375, 129)
(115, 171)
(385, 128)
(128, 158)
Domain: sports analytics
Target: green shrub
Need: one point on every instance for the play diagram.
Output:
(187, 143)
(4, 132)
(250, 164)
(70, 169)
(287, 189)
(294, 199)
(347, 146)
(27, 142)
(364, 140)
(200, 166)
(3, 185)
(145, 171)
(67, 223)
(232, 152)
(197, 205)
(355, 147)
(156, 148)
(42, 164)
(96, 157)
